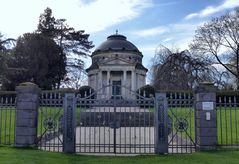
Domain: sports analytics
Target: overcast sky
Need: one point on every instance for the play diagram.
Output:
(146, 23)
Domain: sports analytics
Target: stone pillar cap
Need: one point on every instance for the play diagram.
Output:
(28, 87)
(67, 90)
(27, 84)
(205, 86)
(206, 83)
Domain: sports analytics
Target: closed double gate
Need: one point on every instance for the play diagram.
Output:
(114, 124)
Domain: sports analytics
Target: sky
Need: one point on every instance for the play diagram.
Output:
(145, 23)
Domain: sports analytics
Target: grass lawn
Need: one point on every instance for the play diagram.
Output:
(7, 125)
(55, 114)
(185, 115)
(10, 155)
(228, 125)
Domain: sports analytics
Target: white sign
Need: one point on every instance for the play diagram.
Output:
(208, 116)
(207, 105)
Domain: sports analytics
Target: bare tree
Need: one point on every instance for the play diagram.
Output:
(180, 70)
(76, 78)
(219, 40)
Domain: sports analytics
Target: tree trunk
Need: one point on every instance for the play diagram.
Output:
(237, 83)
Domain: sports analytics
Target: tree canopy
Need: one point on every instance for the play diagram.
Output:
(218, 39)
(74, 44)
(4, 55)
(45, 56)
(37, 59)
(179, 70)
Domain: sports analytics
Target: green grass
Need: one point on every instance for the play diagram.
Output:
(10, 155)
(7, 125)
(46, 114)
(8, 115)
(186, 115)
(228, 125)
(55, 114)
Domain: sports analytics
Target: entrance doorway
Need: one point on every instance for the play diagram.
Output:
(116, 89)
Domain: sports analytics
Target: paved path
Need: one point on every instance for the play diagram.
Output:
(134, 140)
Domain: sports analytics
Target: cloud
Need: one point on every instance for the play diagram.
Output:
(168, 39)
(89, 15)
(170, 30)
(147, 48)
(98, 15)
(150, 32)
(177, 35)
(209, 10)
(167, 4)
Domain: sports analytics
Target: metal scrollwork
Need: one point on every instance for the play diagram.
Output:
(49, 124)
(181, 124)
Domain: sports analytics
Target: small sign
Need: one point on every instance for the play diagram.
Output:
(207, 105)
(208, 116)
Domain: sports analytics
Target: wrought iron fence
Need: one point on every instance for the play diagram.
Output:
(181, 123)
(115, 125)
(7, 117)
(121, 125)
(227, 107)
(50, 120)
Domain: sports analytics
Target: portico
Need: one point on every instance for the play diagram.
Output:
(116, 68)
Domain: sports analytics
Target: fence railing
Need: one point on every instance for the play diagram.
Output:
(50, 117)
(181, 122)
(7, 117)
(228, 119)
(180, 110)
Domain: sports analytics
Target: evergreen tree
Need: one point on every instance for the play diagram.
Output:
(74, 44)
(38, 59)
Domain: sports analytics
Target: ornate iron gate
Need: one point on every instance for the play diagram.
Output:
(114, 124)
(119, 123)
(181, 122)
(50, 121)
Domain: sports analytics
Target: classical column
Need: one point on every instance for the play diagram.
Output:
(124, 77)
(136, 80)
(96, 81)
(133, 80)
(108, 83)
(100, 79)
(124, 83)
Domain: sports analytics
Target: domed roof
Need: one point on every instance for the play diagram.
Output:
(117, 42)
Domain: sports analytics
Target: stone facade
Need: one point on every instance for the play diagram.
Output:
(116, 62)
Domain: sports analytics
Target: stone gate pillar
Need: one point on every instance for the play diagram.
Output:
(206, 117)
(161, 123)
(26, 114)
(69, 126)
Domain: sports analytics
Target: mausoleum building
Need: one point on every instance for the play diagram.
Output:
(116, 68)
